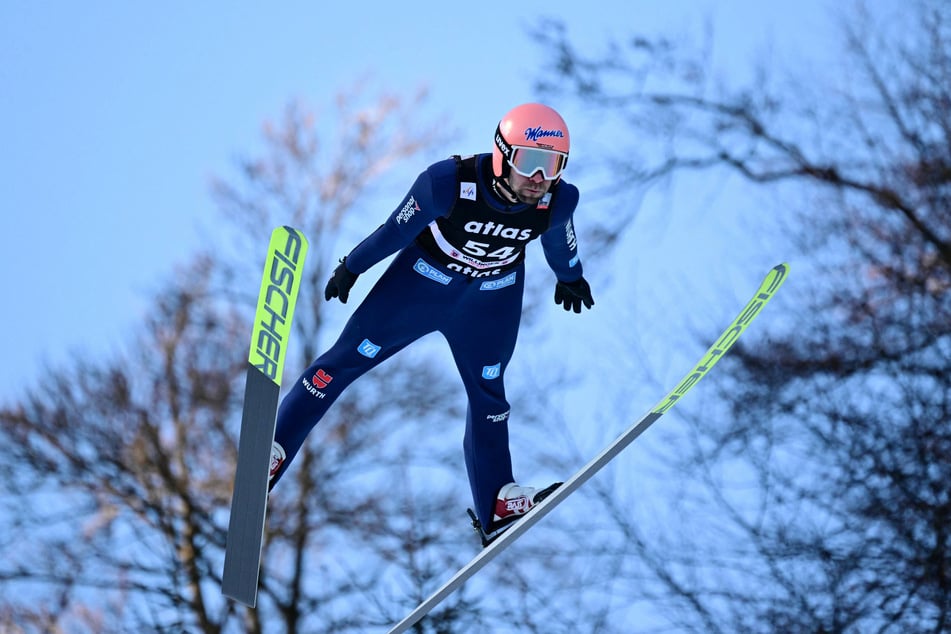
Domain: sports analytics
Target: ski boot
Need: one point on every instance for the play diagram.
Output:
(512, 503)
(277, 459)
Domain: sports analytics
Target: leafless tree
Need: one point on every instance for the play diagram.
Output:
(119, 471)
(820, 489)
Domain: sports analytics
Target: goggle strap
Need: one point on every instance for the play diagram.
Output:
(502, 144)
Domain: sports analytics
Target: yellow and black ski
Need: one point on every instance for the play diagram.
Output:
(497, 544)
(280, 283)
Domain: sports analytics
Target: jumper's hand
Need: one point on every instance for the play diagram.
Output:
(340, 282)
(572, 295)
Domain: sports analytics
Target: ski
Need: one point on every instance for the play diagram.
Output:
(280, 283)
(770, 285)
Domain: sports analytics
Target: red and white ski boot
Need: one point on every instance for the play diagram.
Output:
(277, 459)
(512, 502)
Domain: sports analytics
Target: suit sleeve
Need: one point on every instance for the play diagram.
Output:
(428, 198)
(559, 242)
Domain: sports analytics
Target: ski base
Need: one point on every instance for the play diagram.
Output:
(249, 500)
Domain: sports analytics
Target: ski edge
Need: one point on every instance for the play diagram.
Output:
(768, 288)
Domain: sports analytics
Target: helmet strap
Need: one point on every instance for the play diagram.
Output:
(502, 187)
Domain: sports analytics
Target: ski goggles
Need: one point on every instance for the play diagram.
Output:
(528, 160)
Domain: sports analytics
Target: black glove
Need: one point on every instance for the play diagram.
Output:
(340, 282)
(572, 294)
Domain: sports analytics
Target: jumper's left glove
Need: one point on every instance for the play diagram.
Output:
(572, 295)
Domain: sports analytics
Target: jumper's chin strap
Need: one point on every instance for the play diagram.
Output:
(502, 187)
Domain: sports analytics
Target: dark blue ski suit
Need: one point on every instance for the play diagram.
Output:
(459, 271)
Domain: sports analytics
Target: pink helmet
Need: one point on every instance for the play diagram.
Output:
(531, 137)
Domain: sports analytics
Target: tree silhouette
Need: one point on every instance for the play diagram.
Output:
(822, 484)
(120, 470)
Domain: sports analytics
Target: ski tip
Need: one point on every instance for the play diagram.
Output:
(777, 275)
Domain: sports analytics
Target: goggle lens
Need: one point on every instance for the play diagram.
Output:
(527, 160)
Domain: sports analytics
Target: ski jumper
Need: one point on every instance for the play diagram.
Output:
(459, 271)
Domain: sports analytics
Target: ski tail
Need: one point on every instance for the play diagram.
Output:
(770, 285)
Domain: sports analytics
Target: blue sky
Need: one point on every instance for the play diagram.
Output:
(113, 116)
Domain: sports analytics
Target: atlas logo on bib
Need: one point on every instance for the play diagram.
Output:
(492, 229)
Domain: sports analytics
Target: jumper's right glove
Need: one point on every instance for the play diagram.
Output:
(340, 282)
(572, 294)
